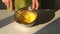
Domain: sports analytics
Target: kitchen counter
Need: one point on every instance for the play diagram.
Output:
(9, 26)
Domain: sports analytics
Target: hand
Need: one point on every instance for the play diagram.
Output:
(9, 4)
(35, 4)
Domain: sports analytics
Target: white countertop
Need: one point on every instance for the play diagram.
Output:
(11, 27)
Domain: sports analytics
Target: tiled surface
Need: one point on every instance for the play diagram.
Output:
(15, 28)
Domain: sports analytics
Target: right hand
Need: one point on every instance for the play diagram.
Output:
(35, 4)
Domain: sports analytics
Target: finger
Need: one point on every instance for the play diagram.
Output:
(8, 3)
(5, 3)
(33, 4)
(11, 5)
(37, 5)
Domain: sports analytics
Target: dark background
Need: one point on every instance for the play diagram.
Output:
(2, 5)
(49, 4)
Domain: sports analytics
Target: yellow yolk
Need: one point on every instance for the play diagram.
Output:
(29, 17)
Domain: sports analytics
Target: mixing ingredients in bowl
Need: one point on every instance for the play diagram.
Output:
(25, 16)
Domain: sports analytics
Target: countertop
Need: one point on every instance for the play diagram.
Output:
(9, 26)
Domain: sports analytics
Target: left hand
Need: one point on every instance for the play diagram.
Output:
(9, 4)
(35, 4)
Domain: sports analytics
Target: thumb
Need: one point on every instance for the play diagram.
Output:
(11, 5)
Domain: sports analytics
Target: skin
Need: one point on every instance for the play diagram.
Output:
(35, 4)
(10, 5)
